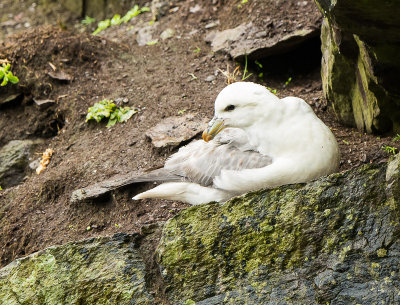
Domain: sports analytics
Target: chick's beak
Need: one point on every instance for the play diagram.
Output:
(214, 127)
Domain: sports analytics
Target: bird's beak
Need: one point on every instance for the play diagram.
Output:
(214, 127)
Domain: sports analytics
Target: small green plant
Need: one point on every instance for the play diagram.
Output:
(88, 20)
(107, 109)
(117, 19)
(197, 50)
(0, 188)
(244, 77)
(181, 112)
(389, 149)
(397, 138)
(346, 142)
(258, 64)
(102, 25)
(6, 75)
(152, 42)
(288, 82)
(274, 91)
(242, 2)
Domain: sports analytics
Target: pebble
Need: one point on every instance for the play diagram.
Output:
(210, 78)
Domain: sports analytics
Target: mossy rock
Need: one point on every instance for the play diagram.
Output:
(105, 270)
(332, 241)
(360, 66)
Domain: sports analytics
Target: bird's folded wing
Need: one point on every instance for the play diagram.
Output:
(201, 162)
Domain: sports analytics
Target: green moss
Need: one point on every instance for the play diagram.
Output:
(381, 252)
(219, 247)
(99, 271)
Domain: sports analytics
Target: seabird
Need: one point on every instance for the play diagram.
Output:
(265, 142)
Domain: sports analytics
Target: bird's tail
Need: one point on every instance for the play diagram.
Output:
(184, 191)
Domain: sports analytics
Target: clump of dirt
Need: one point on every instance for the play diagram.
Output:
(175, 76)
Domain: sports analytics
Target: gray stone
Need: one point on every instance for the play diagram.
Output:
(172, 131)
(103, 270)
(145, 34)
(167, 33)
(161, 8)
(43, 104)
(331, 241)
(212, 24)
(14, 160)
(248, 40)
(210, 78)
(60, 75)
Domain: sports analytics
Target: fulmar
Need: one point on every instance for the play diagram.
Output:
(255, 140)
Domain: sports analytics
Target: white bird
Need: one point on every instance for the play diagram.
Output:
(267, 142)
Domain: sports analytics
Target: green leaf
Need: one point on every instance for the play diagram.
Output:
(111, 122)
(116, 20)
(12, 78)
(125, 114)
(88, 20)
(152, 42)
(5, 81)
(145, 9)
(102, 25)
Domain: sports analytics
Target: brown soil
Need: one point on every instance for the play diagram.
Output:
(156, 79)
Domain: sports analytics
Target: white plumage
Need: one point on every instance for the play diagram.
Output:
(268, 142)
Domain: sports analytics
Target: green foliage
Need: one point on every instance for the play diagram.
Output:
(88, 20)
(117, 19)
(389, 149)
(197, 50)
(6, 75)
(0, 188)
(107, 109)
(397, 138)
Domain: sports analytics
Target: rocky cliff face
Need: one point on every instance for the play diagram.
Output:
(360, 64)
(331, 241)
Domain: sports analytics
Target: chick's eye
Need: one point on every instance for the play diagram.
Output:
(229, 107)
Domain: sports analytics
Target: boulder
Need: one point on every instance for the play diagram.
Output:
(360, 66)
(331, 241)
(14, 161)
(249, 40)
(104, 270)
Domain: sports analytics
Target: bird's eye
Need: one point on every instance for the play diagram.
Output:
(230, 108)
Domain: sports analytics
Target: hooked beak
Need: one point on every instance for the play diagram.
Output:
(214, 127)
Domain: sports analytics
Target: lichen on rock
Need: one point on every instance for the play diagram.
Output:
(105, 270)
(316, 243)
(359, 65)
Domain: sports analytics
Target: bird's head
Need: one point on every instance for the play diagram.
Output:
(239, 105)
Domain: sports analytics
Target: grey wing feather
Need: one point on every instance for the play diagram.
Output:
(201, 162)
